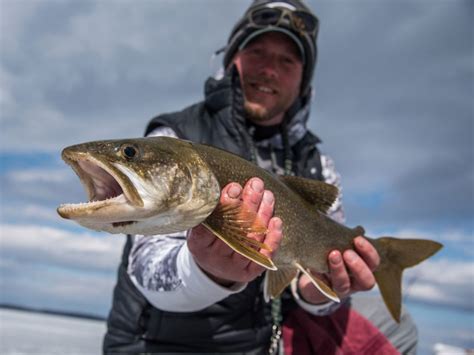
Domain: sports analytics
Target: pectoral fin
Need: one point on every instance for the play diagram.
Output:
(319, 284)
(276, 281)
(232, 224)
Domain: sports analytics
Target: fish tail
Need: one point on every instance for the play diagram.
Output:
(397, 255)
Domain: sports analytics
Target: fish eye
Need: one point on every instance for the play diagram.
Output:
(129, 151)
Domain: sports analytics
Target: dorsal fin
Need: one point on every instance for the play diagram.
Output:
(359, 231)
(317, 193)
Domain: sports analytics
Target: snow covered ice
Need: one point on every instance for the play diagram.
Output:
(35, 333)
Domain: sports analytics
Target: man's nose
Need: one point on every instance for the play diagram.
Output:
(269, 66)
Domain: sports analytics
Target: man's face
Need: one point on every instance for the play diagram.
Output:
(271, 71)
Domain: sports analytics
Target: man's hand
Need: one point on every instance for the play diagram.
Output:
(218, 260)
(349, 272)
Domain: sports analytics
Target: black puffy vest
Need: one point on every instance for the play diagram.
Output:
(241, 323)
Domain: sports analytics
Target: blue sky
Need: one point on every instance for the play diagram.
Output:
(392, 104)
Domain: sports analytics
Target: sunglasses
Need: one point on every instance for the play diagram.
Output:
(301, 21)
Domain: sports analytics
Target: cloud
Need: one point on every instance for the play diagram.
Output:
(45, 185)
(32, 213)
(109, 64)
(447, 235)
(445, 281)
(31, 195)
(39, 175)
(393, 107)
(51, 246)
(57, 269)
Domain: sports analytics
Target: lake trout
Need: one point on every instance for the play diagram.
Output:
(161, 185)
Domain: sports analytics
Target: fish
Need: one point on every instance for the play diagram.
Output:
(162, 185)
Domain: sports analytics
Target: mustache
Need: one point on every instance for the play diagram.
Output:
(262, 80)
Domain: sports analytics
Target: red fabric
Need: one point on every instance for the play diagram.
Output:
(345, 332)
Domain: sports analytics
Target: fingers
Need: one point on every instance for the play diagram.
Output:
(215, 256)
(273, 239)
(254, 199)
(361, 264)
(252, 195)
(367, 252)
(274, 236)
(350, 272)
(340, 280)
(362, 277)
(230, 193)
(265, 210)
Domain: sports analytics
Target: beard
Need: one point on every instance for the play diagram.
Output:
(263, 111)
(256, 112)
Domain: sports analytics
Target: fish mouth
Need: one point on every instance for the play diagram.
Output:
(105, 185)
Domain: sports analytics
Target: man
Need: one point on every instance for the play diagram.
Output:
(189, 292)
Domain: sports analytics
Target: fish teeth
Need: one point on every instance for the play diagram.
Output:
(85, 204)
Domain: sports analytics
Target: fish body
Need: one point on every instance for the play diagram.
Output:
(160, 185)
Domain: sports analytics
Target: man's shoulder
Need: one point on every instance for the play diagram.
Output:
(308, 141)
(177, 119)
(193, 110)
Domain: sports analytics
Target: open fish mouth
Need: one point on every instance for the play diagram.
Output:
(106, 187)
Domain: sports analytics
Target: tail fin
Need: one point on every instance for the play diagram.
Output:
(398, 254)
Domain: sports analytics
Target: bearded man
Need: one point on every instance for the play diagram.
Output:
(189, 292)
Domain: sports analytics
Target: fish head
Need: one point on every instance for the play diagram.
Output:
(148, 186)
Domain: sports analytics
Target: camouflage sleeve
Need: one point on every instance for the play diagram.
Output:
(331, 176)
(164, 271)
(153, 261)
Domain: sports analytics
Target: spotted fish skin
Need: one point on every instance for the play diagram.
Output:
(160, 185)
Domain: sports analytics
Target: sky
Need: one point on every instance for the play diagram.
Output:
(392, 104)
